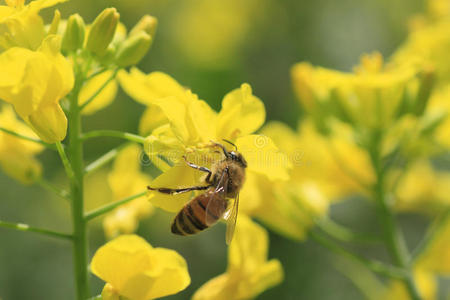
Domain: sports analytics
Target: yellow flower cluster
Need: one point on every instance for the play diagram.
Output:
(178, 123)
(34, 82)
(182, 124)
(249, 273)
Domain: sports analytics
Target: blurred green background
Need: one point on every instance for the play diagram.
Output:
(211, 47)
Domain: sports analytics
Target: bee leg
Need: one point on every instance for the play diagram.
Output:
(225, 152)
(203, 169)
(178, 191)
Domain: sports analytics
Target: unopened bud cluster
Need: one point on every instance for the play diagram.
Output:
(102, 39)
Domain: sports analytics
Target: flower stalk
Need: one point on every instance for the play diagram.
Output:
(28, 228)
(75, 156)
(393, 236)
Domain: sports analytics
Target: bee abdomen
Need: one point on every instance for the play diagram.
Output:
(190, 220)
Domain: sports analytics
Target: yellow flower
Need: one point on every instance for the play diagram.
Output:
(20, 25)
(104, 98)
(335, 162)
(422, 189)
(324, 170)
(16, 154)
(249, 273)
(368, 97)
(134, 269)
(186, 125)
(34, 82)
(125, 180)
(314, 85)
(428, 47)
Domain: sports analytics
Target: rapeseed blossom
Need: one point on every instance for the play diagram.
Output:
(249, 271)
(34, 82)
(17, 156)
(134, 269)
(185, 125)
(325, 169)
(369, 97)
(21, 25)
(126, 179)
(422, 189)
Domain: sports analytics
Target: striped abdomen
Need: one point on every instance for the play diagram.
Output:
(194, 218)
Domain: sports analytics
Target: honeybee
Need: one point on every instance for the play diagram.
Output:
(223, 184)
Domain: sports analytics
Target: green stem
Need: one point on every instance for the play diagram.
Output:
(111, 78)
(344, 234)
(104, 159)
(75, 152)
(430, 235)
(375, 266)
(393, 236)
(27, 138)
(108, 207)
(65, 160)
(113, 133)
(28, 228)
(97, 72)
(51, 188)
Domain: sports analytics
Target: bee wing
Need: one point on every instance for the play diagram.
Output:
(217, 204)
(231, 217)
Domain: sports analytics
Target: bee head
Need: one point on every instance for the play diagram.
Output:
(237, 157)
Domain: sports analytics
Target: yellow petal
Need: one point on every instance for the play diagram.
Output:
(16, 154)
(217, 288)
(50, 123)
(121, 259)
(175, 112)
(249, 248)
(152, 118)
(249, 273)
(147, 88)
(263, 157)
(139, 272)
(203, 120)
(179, 176)
(242, 113)
(163, 143)
(25, 169)
(109, 293)
(103, 99)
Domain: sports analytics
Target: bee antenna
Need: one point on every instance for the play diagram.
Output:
(235, 147)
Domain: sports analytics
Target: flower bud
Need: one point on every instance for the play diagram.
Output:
(147, 23)
(55, 22)
(133, 49)
(102, 31)
(73, 38)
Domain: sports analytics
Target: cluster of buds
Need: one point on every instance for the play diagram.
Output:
(106, 40)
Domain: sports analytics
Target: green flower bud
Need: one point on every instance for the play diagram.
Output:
(147, 23)
(133, 49)
(102, 31)
(73, 38)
